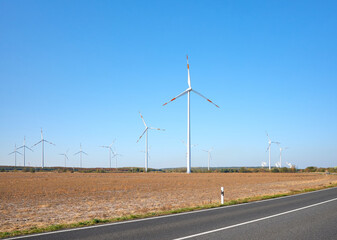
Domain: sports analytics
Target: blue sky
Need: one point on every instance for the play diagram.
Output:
(82, 70)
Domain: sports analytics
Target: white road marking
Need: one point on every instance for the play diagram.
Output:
(165, 216)
(255, 220)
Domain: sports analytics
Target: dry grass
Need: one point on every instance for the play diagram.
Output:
(40, 199)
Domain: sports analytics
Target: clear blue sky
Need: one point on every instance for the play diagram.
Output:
(82, 70)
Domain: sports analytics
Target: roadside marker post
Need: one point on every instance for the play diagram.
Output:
(222, 195)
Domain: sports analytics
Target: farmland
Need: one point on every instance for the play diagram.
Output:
(40, 199)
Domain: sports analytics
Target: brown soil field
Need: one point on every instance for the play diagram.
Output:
(40, 199)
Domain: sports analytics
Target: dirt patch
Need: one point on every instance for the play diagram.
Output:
(40, 199)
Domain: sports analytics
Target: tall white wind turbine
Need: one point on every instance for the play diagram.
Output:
(42, 141)
(65, 157)
(188, 90)
(15, 152)
(24, 146)
(268, 148)
(209, 156)
(146, 141)
(110, 151)
(80, 152)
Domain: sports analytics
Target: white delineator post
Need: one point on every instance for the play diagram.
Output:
(222, 195)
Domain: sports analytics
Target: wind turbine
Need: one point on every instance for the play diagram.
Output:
(188, 91)
(42, 141)
(80, 152)
(290, 165)
(282, 149)
(110, 150)
(24, 146)
(65, 157)
(192, 146)
(115, 155)
(263, 164)
(268, 148)
(209, 155)
(15, 152)
(146, 144)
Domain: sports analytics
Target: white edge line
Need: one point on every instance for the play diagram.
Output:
(255, 220)
(165, 216)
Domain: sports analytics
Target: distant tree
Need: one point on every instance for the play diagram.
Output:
(310, 169)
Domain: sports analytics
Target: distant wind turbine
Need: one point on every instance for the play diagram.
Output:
(15, 152)
(24, 146)
(188, 90)
(80, 152)
(42, 141)
(65, 157)
(209, 156)
(281, 150)
(268, 148)
(263, 164)
(115, 155)
(290, 165)
(110, 151)
(146, 141)
(277, 164)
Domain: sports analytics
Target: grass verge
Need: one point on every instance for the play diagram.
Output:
(154, 214)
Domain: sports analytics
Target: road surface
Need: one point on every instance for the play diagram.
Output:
(305, 216)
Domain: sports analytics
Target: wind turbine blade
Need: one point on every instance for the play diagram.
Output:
(181, 94)
(85, 153)
(157, 129)
(20, 147)
(268, 148)
(49, 142)
(29, 149)
(142, 134)
(36, 143)
(205, 98)
(188, 73)
(77, 153)
(276, 142)
(11, 153)
(142, 119)
(112, 143)
(18, 152)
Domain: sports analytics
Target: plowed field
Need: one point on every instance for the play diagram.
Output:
(40, 199)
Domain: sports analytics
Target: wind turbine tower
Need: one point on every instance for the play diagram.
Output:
(42, 141)
(65, 158)
(80, 152)
(15, 152)
(188, 91)
(268, 148)
(110, 151)
(24, 146)
(146, 141)
(281, 150)
(115, 155)
(209, 156)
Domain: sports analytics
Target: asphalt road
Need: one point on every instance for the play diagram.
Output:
(305, 216)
